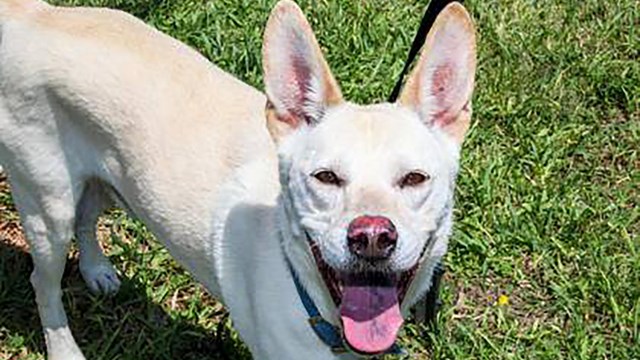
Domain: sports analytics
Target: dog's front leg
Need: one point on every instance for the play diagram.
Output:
(49, 264)
(48, 226)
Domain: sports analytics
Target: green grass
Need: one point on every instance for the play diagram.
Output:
(547, 200)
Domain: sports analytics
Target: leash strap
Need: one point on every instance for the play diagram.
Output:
(430, 15)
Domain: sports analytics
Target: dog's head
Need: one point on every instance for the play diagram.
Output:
(367, 190)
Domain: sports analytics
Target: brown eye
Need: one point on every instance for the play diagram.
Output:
(328, 177)
(413, 179)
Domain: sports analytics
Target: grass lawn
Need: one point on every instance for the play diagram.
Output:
(544, 262)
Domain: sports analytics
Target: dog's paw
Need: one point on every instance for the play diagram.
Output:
(61, 345)
(67, 355)
(101, 278)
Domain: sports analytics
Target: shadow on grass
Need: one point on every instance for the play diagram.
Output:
(126, 326)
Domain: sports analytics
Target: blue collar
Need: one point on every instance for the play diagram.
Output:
(327, 332)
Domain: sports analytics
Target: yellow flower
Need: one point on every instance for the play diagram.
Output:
(503, 300)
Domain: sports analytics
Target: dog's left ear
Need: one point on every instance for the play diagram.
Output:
(440, 86)
(298, 82)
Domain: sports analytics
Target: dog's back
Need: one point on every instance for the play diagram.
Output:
(130, 79)
(98, 94)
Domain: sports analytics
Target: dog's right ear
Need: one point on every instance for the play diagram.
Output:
(298, 82)
(440, 86)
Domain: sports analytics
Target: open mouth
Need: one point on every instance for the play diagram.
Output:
(369, 304)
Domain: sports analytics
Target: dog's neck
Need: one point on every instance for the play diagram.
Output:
(260, 279)
(256, 275)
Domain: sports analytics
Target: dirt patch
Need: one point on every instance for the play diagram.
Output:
(10, 229)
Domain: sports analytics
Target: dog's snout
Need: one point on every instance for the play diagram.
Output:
(372, 237)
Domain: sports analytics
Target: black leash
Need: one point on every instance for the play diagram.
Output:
(434, 8)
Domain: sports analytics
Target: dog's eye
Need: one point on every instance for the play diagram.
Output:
(328, 177)
(413, 179)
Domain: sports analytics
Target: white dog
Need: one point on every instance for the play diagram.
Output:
(325, 210)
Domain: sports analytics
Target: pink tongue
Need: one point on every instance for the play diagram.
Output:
(370, 317)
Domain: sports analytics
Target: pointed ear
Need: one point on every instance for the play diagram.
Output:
(298, 82)
(440, 86)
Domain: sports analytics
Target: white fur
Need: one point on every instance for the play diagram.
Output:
(97, 108)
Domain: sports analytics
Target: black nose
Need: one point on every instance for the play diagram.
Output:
(372, 237)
